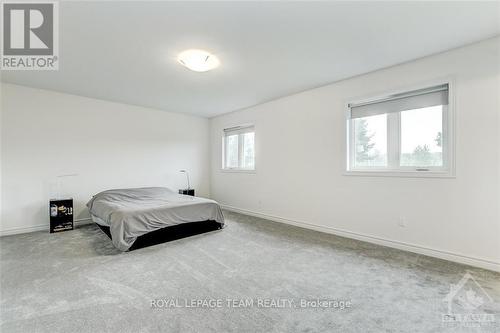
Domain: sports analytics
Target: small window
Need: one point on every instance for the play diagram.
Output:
(405, 133)
(239, 148)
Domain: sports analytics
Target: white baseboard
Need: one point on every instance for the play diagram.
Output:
(40, 227)
(462, 259)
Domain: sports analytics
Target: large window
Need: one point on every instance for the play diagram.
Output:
(239, 148)
(406, 133)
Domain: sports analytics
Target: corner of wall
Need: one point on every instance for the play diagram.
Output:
(210, 157)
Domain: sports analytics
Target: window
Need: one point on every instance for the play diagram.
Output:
(239, 148)
(405, 133)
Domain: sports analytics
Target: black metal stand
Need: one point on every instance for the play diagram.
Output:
(187, 192)
(61, 214)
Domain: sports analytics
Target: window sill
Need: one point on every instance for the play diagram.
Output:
(250, 171)
(400, 173)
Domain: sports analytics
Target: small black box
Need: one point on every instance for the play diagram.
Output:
(61, 214)
(187, 192)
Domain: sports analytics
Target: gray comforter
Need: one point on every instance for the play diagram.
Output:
(131, 213)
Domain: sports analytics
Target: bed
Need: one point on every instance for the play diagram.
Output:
(137, 215)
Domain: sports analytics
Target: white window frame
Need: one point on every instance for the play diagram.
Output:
(393, 168)
(240, 130)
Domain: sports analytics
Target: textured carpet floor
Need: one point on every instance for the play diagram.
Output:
(77, 282)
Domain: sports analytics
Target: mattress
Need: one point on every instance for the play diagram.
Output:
(130, 213)
(99, 221)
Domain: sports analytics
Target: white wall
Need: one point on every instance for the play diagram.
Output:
(300, 142)
(1, 173)
(109, 145)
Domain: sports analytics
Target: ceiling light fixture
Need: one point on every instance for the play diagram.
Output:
(198, 60)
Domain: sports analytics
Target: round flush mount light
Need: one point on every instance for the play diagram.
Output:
(198, 60)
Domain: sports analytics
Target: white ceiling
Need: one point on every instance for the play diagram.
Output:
(126, 51)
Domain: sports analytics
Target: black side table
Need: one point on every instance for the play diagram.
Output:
(187, 192)
(61, 214)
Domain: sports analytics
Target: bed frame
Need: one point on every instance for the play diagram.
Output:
(169, 233)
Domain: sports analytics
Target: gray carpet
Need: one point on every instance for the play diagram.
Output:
(77, 282)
